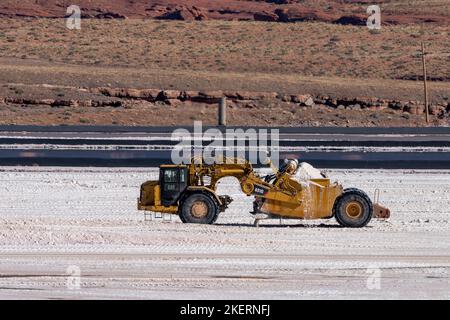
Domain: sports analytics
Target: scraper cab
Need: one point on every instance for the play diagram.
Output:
(293, 191)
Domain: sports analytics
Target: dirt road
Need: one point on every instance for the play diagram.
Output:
(58, 223)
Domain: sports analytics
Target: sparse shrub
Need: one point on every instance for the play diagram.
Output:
(16, 90)
(160, 28)
(335, 38)
(225, 27)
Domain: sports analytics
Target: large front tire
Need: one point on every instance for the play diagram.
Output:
(353, 209)
(199, 208)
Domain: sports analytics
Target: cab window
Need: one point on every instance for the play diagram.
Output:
(170, 176)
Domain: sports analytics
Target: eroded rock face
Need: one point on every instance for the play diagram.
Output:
(209, 95)
(415, 109)
(355, 20)
(342, 12)
(185, 13)
(110, 15)
(303, 99)
(120, 97)
(294, 14)
(250, 97)
(266, 16)
(149, 94)
(247, 95)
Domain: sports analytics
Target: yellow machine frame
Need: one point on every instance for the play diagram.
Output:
(285, 197)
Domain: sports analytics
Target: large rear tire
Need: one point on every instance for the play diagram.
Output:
(353, 209)
(199, 208)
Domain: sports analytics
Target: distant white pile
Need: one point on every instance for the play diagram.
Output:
(307, 172)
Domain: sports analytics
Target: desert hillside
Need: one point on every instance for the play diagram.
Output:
(335, 11)
(279, 62)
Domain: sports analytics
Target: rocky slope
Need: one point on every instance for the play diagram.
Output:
(341, 12)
